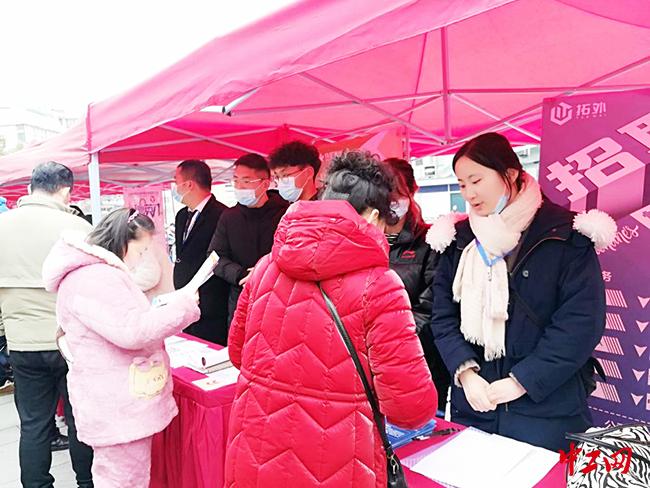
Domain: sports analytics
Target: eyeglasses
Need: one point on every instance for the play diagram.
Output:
(247, 181)
(294, 173)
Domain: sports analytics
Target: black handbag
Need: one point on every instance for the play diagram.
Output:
(394, 469)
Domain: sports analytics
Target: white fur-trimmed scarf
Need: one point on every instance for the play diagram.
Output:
(483, 290)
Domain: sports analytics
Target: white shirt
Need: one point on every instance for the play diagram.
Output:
(199, 208)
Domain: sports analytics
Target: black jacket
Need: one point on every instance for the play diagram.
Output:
(243, 235)
(190, 256)
(555, 320)
(414, 261)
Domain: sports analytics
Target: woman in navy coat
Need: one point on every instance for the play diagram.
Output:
(519, 300)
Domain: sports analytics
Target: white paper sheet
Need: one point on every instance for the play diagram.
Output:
(181, 352)
(218, 379)
(474, 459)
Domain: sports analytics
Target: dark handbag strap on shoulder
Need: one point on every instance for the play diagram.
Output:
(592, 363)
(374, 405)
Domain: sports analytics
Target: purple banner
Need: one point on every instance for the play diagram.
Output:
(595, 154)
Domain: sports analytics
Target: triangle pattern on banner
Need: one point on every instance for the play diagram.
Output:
(642, 325)
(638, 374)
(637, 398)
(640, 350)
(643, 301)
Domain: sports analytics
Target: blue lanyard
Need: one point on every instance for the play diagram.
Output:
(488, 262)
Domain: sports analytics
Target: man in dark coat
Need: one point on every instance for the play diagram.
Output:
(195, 225)
(245, 232)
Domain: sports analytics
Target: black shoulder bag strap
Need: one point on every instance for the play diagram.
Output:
(592, 362)
(393, 461)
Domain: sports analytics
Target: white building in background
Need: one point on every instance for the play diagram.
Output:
(439, 192)
(20, 127)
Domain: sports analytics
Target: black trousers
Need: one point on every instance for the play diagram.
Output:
(40, 380)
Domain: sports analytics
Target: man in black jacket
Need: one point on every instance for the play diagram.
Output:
(195, 225)
(245, 232)
(295, 166)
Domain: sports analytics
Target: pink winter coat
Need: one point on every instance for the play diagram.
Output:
(300, 416)
(119, 381)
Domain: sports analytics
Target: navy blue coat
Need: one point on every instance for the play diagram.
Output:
(558, 279)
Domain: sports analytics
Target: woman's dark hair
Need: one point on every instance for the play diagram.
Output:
(362, 180)
(118, 228)
(493, 151)
(405, 185)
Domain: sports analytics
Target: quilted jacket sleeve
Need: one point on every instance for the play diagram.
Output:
(118, 315)
(237, 326)
(576, 327)
(406, 393)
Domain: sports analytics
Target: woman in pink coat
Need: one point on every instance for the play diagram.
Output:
(300, 416)
(119, 382)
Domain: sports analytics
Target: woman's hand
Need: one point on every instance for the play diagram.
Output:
(475, 388)
(504, 391)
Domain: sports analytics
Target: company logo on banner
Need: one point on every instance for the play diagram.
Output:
(148, 201)
(596, 154)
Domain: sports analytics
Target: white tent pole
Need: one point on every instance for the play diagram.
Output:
(95, 190)
(227, 110)
(480, 109)
(209, 139)
(376, 125)
(370, 106)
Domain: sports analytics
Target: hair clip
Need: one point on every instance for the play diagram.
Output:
(132, 217)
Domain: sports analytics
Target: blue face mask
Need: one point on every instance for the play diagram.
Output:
(246, 197)
(501, 204)
(288, 189)
(176, 195)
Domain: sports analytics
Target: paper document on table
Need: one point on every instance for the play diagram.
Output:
(495, 461)
(181, 352)
(208, 360)
(174, 340)
(204, 273)
(216, 380)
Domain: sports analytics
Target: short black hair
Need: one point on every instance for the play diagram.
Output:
(255, 162)
(364, 181)
(197, 171)
(118, 228)
(50, 177)
(295, 153)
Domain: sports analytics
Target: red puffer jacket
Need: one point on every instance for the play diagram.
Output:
(300, 416)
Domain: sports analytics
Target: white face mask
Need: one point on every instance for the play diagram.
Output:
(400, 207)
(247, 197)
(177, 195)
(288, 189)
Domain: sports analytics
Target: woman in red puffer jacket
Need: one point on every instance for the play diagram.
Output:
(300, 416)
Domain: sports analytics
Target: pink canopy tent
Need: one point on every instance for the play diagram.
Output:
(444, 71)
